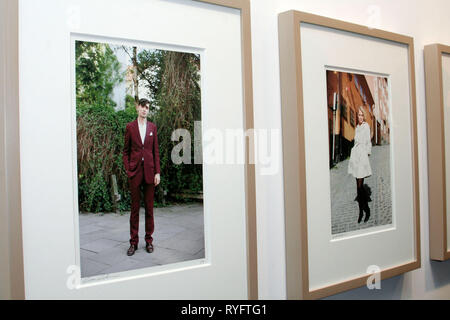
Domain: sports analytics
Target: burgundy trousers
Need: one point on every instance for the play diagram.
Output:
(137, 184)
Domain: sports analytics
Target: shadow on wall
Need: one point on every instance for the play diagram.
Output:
(391, 289)
(439, 275)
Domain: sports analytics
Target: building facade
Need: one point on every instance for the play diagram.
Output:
(346, 93)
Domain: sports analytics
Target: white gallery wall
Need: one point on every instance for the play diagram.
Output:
(427, 22)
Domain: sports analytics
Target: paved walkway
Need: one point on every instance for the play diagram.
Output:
(104, 240)
(344, 210)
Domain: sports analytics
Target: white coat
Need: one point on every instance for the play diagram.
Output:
(359, 165)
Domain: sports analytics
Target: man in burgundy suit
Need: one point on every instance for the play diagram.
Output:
(141, 161)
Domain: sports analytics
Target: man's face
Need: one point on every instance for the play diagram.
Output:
(143, 110)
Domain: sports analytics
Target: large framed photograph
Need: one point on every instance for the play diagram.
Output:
(437, 76)
(124, 191)
(350, 155)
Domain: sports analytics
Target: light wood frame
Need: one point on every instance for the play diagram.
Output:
(12, 284)
(247, 82)
(13, 155)
(436, 151)
(296, 230)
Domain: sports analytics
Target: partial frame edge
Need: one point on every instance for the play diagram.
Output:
(10, 109)
(251, 218)
(436, 150)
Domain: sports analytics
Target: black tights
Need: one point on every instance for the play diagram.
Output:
(359, 182)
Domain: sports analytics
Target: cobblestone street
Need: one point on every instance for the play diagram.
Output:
(344, 209)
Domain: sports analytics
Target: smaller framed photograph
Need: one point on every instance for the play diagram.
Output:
(350, 155)
(437, 80)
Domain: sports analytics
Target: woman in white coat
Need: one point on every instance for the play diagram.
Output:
(359, 165)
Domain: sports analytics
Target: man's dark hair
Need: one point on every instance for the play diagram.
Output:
(143, 102)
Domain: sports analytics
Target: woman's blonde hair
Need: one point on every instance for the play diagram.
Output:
(362, 110)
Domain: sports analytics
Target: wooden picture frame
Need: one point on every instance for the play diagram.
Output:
(11, 249)
(437, 170)
(291, 48)
(248, 279)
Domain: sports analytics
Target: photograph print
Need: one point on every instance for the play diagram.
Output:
(359, 125)
(139, 205)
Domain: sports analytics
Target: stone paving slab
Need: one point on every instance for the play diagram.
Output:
(104, 239)
(87, 254)
(200, 254)
(165, 256)
(90, 228)
(191, 236)
(91, 236)
(125, 265)
(117, 235)
(92, 268)
(167, 234)
(100, 245)
(180, 244)
(190, 222)
(109, 256)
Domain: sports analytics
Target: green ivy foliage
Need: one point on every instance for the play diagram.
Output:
(173, 78)
(100, 137)
(96, 73)
(179, 101)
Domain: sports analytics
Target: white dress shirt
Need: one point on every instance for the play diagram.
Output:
(142, 131)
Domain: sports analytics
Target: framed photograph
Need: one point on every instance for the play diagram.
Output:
(127, 132)
(437, 81)
(358, 109)
(127, 189)
(350, 155)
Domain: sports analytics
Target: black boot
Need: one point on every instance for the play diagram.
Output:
(365, 198)
(367, 209)
(360, 205)
(361, 213)
(367, 192)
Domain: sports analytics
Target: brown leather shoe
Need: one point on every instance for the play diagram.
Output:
(149, 248)
(131, 250)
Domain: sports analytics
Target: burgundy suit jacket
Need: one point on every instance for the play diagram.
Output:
(134, 151)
